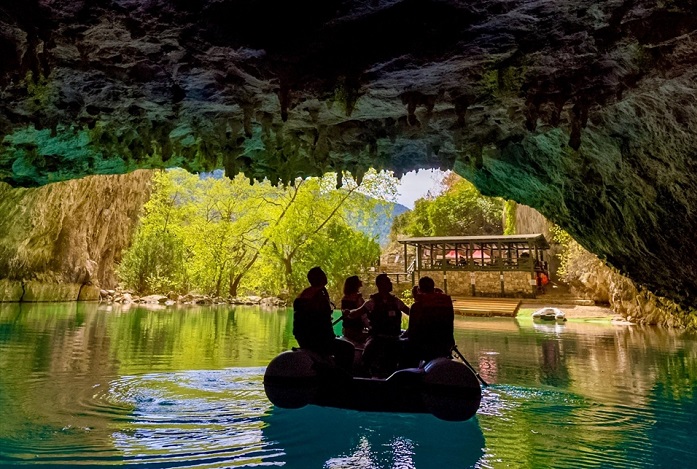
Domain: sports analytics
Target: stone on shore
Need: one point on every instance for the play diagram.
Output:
(153, 299)
(89, 293)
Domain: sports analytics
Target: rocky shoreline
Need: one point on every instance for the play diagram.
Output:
(172, 299)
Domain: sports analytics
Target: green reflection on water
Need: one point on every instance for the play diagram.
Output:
(576, 395)
(80, 336)
(58, 363)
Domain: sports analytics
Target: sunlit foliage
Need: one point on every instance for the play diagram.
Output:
(459, 211)
(221, 237)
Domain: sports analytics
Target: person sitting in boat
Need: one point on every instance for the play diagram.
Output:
(415, 292)
(312, 322)
(384, 312)
(354, 328)
(430, 331)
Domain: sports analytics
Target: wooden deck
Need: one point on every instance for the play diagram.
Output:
(475, 306)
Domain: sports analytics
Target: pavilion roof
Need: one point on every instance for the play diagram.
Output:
(536, 239)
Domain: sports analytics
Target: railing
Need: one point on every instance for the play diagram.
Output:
(400, 277)
(480, 264)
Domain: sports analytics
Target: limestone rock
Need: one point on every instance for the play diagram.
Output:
(581, 109)
(89, 293)
(35, 292)
(153, 299)
(70, 232)
(271, 302)
(11, 290)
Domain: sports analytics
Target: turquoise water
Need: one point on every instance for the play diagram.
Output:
(89, 386)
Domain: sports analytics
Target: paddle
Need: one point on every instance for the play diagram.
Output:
(481, 380)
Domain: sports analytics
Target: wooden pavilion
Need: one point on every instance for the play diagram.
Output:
(505, 265)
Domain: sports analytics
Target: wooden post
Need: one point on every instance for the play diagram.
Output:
(406, 265)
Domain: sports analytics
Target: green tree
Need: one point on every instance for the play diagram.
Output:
(309, 208)
(224, 234)
(219, 236)
(459, 211)
(157, 258)
(462, 211)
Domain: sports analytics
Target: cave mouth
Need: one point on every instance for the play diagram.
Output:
(580, 110)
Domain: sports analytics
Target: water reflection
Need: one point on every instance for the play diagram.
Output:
(83, 385)
(333, 438)
(197, 418)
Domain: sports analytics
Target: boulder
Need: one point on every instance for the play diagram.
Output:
(153, 299)
(89, 293)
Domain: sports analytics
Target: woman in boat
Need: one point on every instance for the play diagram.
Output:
(384, 311)
(353, 327)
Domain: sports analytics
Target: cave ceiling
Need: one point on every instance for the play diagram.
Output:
(584, 110)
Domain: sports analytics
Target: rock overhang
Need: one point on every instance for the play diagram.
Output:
(584, 110)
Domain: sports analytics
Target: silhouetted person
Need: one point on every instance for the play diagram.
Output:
(384, 311)
(430, 331)
(312, 322)
(353, 327)
(415, 292)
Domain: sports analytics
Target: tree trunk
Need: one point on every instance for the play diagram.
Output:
(235, 283)
(288, 266)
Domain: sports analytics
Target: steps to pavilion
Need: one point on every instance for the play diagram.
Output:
(481, 306)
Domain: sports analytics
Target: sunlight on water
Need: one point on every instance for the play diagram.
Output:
(80, 386)
(193, 418)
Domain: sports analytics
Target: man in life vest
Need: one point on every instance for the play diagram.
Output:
(384, 312)
(430, 331)
(312, 322)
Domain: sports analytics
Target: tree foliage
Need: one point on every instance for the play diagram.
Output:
(459, 211)
(219, 236)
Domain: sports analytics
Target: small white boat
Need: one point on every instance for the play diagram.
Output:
(549, 314)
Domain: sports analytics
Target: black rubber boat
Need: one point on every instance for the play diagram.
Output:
(446, 388)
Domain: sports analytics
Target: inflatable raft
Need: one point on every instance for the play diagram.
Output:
(445, 388)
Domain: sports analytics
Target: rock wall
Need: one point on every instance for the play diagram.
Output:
(528, 221)
(582, 109)
(589, 277)
(58, 239)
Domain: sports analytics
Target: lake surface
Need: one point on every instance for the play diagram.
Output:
(91, 386)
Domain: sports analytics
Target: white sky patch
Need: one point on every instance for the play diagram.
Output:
(416, 184)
